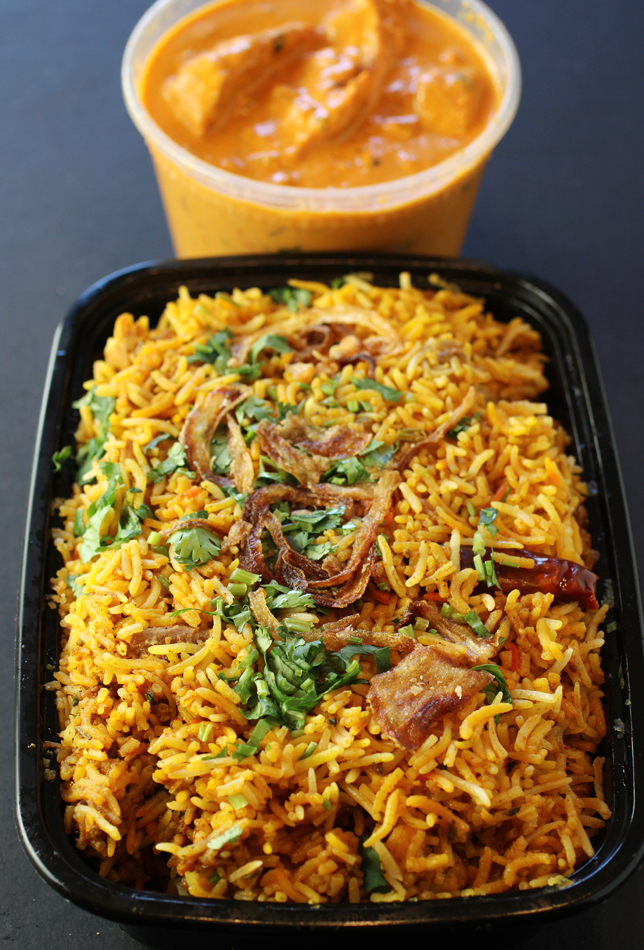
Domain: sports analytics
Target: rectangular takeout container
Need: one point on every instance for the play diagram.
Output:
(575, 397)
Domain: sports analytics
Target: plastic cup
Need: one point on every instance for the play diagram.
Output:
(212, 212)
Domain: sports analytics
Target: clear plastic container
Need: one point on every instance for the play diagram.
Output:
(212, 212)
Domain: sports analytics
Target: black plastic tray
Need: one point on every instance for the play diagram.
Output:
(576, 397)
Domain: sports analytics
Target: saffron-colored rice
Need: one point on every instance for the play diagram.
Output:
(501, 796)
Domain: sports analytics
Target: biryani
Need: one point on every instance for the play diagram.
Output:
(329, 623)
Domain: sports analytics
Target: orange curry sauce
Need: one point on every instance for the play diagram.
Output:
(317, 94)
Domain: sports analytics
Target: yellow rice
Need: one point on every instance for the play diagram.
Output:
(483, 806)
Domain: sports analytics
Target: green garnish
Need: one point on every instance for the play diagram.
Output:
(387, 392)
(380, 654)
(194, 546)
(293, 298)
(310, 749)
(101, 408)
(205, 731)
(175, 461)
(79, 523)
(237, 801)
(59, 457)
(270, 341)
(374, 879)
(462, 426)
(226, 837)
(240, 576)
(295, 676)
(486, 520)
(477, 625)
(491, 690)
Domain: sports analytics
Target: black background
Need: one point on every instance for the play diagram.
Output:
(563, 198)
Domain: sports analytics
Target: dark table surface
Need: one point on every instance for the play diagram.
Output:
(563, 198)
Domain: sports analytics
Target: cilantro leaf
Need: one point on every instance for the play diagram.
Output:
(269, 341)
(216, 351)
(293, 298)
(387, 392)
(487, 518)
(194, 546)
(382, 655)
(376, 454)
(240, 497)
(174, 461)
(374, 879)
(491, 690)
(220, 455)
(79, 522)
(101, 407)
(280, 598)
(253, 408)
(346, 471)
(462, 426)
(100, 515)
(297, 674)
(59, 457)
(270, 477)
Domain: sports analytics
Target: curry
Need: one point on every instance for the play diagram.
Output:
(316, 94)
(266, 120)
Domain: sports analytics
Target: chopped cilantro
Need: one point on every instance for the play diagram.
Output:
(220, 459)
(487, 518)
(296, 675)
(377, 454)
(79, 522)
(346, 471)
(462, 426)
(174, 461)
(293, 298)
(101, 408)
(194, 546)
(74, 586)
(374, 879)
(205, 731)
(59, 457)
(101, 514)
(387, 392)
(239, 497)
(281, 598)
(269, 341)
(491, 690)
(270, 477)
(380, 654)
(155, 441)
(216, 351)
